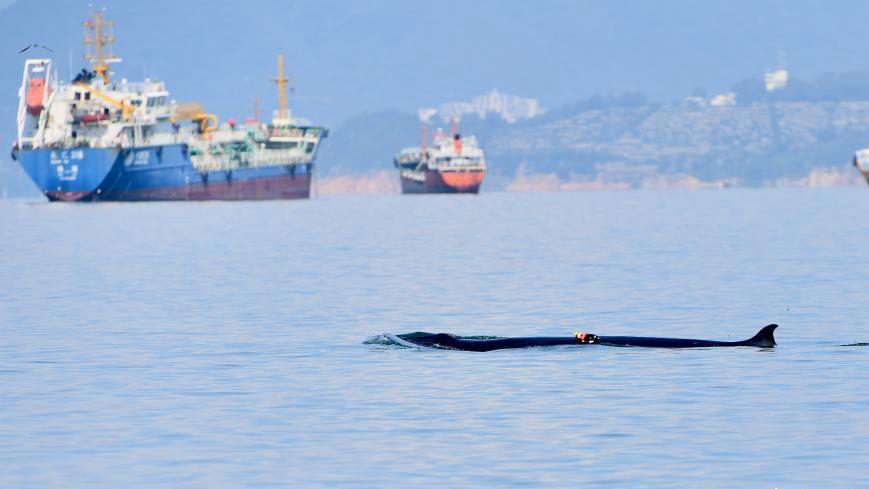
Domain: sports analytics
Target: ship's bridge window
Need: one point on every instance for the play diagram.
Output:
(77, 96)
(309, 148)
(281, 145)
(87, 95)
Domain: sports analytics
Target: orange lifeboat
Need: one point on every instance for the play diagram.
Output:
(34, 95)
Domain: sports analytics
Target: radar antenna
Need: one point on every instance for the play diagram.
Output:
(98, 33)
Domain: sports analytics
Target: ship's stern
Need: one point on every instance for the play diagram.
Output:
(73, 174)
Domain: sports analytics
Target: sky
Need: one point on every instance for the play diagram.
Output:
(350, 57)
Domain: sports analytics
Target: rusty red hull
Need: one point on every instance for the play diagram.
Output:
(432, 181)
(269, 188)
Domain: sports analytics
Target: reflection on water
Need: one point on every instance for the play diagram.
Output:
(224, 344)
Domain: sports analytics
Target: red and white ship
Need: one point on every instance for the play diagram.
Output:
(452, 164)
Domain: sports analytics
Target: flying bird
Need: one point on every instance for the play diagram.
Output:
(34, 45)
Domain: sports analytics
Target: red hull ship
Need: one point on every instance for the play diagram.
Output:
(451, 165)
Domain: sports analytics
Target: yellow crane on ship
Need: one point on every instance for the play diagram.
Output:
(98, 33)
(126, 108)
(193, 111)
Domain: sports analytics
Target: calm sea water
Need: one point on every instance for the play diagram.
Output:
(208, 345)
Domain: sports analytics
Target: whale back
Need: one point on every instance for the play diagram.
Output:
(763, 339)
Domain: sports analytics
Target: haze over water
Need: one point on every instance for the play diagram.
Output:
(224, 344)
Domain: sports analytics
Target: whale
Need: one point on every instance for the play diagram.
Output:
(763, 339)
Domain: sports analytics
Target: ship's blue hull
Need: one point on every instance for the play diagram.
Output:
(154, 173)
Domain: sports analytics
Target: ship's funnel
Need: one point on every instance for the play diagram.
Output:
(426, 114)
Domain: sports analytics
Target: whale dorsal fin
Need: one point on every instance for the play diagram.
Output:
(764, 337)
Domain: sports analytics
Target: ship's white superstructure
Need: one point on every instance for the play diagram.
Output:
(91, 113)
(446, 153)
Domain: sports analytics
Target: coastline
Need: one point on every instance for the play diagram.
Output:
(386, 182)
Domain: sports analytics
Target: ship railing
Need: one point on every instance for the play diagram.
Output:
(459, 168)
(407, 158)
(296, 131)
(137, 87)
(164, 138)
(252, 159)
(271, 157)
(461, 165)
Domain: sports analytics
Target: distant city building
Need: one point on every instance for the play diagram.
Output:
(509, 107)
(775, 80)
(425, 114)
(723, 100)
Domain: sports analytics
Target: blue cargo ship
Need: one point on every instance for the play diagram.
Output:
(98, 139)
(155, 173)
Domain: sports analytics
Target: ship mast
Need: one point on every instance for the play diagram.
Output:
(98, 32)
(281, 80)
(424, 140)
(424, 116)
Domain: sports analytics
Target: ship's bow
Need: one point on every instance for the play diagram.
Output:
(463, 181)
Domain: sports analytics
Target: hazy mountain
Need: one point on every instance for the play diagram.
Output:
(348, 58)
(367, 143)
(752, 144)
(625, 138)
